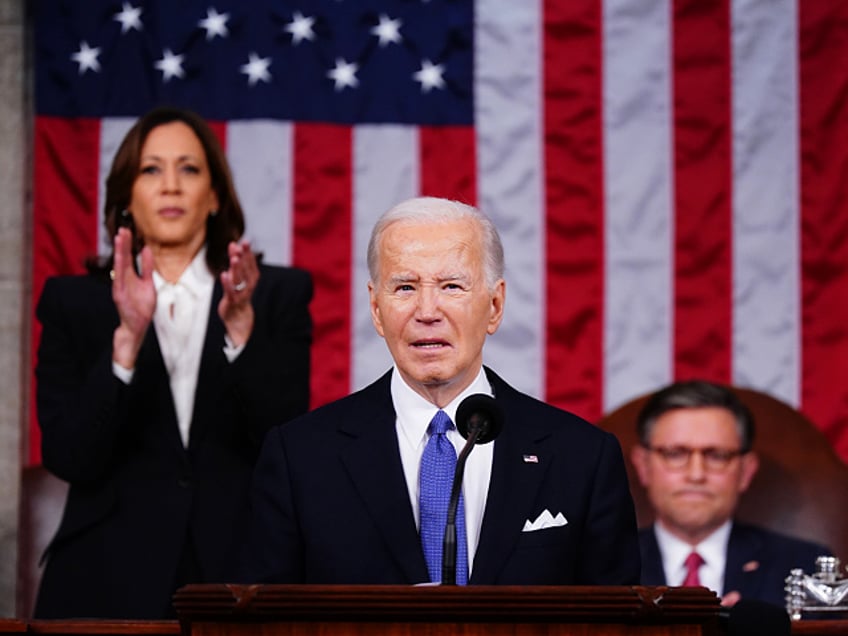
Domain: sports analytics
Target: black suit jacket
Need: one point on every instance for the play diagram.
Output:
(140, 505)
(758, 561)
(330, 502)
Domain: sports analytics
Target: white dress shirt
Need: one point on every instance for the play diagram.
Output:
(713, 550)
(413, 417)
(180, 318)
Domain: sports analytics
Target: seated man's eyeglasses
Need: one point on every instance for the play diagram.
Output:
(679, 457)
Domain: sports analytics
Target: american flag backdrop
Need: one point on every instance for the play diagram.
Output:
(669, 176)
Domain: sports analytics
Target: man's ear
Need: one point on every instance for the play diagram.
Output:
(376, 319)
(496, 311)
(750, 466)
(639, 459)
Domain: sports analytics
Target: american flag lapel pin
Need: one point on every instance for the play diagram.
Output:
(530, 459)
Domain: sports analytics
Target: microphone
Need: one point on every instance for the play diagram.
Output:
(479, 414)
(479, 419)
(750, 617)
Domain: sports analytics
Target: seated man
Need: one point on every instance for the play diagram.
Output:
(352, 492)
(695, 459)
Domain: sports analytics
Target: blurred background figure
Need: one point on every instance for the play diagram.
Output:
(695, 459)
(158, 375)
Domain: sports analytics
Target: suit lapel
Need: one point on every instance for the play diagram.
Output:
(374, 466)
(212, 366)
(652, 568)
(152, 382)
(520, 462)
(742, 572)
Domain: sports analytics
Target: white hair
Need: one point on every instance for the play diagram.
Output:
(436, 210)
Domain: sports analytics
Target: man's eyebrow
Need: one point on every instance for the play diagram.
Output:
(403, 278)
(399, 279)
(465, 279)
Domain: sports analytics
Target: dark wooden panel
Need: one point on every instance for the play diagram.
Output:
(278, 610)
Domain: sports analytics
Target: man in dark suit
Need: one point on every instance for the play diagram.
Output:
(338, 494)
(695, 459)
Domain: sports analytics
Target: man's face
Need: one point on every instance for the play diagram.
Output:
(432, 305)
(691, 498)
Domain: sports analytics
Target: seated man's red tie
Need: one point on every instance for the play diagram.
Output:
(693, 564)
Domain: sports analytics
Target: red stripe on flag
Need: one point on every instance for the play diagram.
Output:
(823, 70)
(574, 201)
(220, 130)
(703, 190)
(66, 167)
(448, 163)
(64, 210)
(323, 192)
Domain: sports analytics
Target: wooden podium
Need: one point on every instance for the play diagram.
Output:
(283, 610)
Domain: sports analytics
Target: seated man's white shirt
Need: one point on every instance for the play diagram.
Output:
(413, 417)
(713, 551)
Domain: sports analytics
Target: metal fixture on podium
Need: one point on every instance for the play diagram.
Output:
(817, 594)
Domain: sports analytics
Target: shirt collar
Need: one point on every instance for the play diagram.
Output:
(195, 278)
(675, 550)
(414, 412)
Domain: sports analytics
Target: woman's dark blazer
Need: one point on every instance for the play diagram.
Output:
(140, 505)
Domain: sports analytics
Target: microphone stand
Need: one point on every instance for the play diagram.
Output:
(449, 541)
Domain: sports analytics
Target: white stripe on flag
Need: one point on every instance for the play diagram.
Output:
(260, 155)
(386, 171)
(112, 132)
(639, 186)
(508, 102)
(766, 294)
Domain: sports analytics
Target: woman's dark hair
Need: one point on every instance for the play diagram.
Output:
(226, 225)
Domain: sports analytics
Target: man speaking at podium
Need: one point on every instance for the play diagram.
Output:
(357, 491)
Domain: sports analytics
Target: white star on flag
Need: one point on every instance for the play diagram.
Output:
(344, 74)
(86, 57)
(301, 28)
(129, 17)
(430, 76)
(256, 69)
(171, 65)
(388, 30)
(214, 23)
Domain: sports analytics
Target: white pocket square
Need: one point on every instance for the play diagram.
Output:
(545, 520)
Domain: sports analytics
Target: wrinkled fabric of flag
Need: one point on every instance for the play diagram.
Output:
(666, 176)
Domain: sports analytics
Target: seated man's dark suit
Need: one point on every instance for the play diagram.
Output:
(331, 505)
(758, 561)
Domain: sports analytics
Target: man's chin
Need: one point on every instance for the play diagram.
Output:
(695, 524)
(433, 375)
(434, 381)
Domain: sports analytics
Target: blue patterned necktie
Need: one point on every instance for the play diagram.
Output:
(437, 469)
